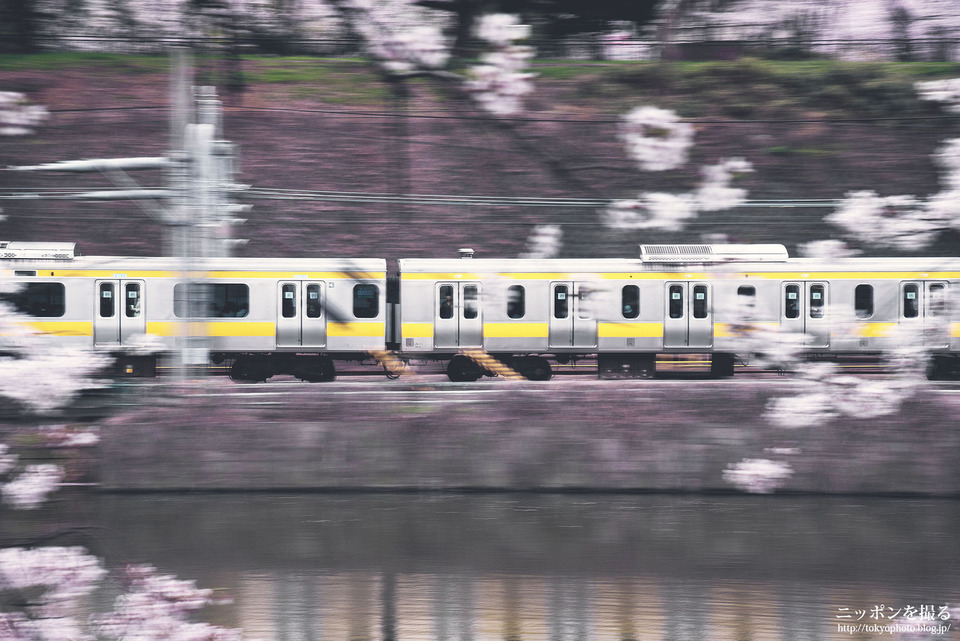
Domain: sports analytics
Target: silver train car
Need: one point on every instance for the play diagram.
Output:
(270, 316)
(267, 316)
(673, 299)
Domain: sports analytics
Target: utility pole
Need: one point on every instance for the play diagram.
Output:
(195, 204)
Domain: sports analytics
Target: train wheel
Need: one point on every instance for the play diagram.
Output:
(537, 368)
(320, 370)
(462, 369)
(247, 369)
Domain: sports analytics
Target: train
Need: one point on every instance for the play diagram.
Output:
(262, 317)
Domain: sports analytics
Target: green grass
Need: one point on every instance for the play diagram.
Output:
(745, 88)
(64, 60)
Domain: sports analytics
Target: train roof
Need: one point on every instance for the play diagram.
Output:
(604, 265)
(172, 264)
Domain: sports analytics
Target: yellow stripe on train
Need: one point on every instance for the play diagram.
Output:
(516, 330)
(355, 330)
(630, 330)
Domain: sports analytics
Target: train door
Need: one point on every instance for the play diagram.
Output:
(573, 321)
(118, 311)
(688, 321)
(803, 310)
(457, 318)
(301, 319)
(923, 306)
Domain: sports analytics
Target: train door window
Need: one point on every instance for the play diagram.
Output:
(107, 304)
(131, 300)
(470, 301)
(314, 308)
(288, 301)
(676, 301)
(937, 299)
(43, 300)
(583, 307)
(911, 300)
(746, 301)
(863, 301)
(515, 301)
(630, 301)
(700, 307)
(366, 301)
(446, 301)
(791, 301)
(561, 301)
(817, 301)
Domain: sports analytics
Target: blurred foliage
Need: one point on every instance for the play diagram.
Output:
(812, 129)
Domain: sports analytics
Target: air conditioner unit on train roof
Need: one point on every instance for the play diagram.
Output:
(712, 253)
(37, 251)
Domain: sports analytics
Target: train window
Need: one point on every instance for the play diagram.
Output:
(516, 302)
(107, 304)
(936, 299)
(746, 301)
(470, 307)
(41, 300)
(863, 301)
(817, 301)
(911, 300)
(218, 300)
(700, 307)
(366, 301)
(131, 302)
(791, 301)
(446, 301)
(561, 301)
(630, 301)
(288, 301)
(314, 308)
(676, 301)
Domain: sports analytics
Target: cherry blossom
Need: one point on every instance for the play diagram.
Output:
(545, 242)
(671, 212)
(947, 91)
(17, 116)
(499, 82)
(656, 138)
(31, 488)
(827, 249)
(716, 192)
(758, 476)
(156, 606)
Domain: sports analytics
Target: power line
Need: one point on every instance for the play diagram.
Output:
(456, 200)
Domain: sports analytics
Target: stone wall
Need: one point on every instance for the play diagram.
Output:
(498, 435)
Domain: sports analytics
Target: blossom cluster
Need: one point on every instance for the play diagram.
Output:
(47, 581)
(947, 91)
(545, 242)
(656, 138)
(670, 212)
(398, 47)
(499, 82)
(31, 487)
(908, 222)
(758, 476)
(17, 117)
(902, 221)
(156, 606)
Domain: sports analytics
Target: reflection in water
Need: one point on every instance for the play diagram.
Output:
(503, 567)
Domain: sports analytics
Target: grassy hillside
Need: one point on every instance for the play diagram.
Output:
(812, 129)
